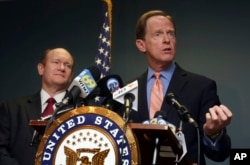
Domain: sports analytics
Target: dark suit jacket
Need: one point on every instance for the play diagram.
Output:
(197, 93)
(15, 132)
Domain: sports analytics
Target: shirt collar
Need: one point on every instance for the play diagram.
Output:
(45, 96)
(166, 73)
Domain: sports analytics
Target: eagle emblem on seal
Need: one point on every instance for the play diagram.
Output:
(72, 157)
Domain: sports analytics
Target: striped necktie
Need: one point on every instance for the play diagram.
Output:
(49, 109)
(156, 97)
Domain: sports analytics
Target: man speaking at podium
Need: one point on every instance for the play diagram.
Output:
(156, 39)
(56, 70)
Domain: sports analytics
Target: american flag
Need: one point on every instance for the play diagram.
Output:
(103, 56)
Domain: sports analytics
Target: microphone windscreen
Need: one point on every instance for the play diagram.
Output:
(74, 93)
(109, 84)
(112, 105)
(130, 96)
(95, 72)
(170, 97)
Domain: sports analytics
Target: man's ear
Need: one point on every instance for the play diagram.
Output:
(140, 45)
(40, 69)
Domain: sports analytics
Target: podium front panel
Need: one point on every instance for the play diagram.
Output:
(169, 149)
(88, 135)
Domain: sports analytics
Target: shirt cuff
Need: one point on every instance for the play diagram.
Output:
(212, 142)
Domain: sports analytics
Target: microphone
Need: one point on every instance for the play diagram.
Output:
(83, 85)
(132, 88)
(86, 81)
(128, 102)
(160, 117)
(181, 109)
(107, 86)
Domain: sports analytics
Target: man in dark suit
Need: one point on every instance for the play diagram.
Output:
(156, 38)
(56, 71)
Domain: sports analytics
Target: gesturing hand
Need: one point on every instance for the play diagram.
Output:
(217, 118)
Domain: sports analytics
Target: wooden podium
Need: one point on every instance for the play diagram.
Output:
(169, 148)
(96, 121)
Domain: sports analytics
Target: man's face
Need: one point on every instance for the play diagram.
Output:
(159, 42)
(57, 69)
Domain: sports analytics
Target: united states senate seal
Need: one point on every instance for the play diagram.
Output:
(88, 136)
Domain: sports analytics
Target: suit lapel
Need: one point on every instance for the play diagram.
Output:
(33, 107)
(178, 81)
(142, 98)
(177, 84)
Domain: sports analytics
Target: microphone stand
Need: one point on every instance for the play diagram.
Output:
(71, 96)
(156, 150)
(59, 106)
(52, 118)
(34, 137)
(186, 116)
(128, 101)
(158, 118)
